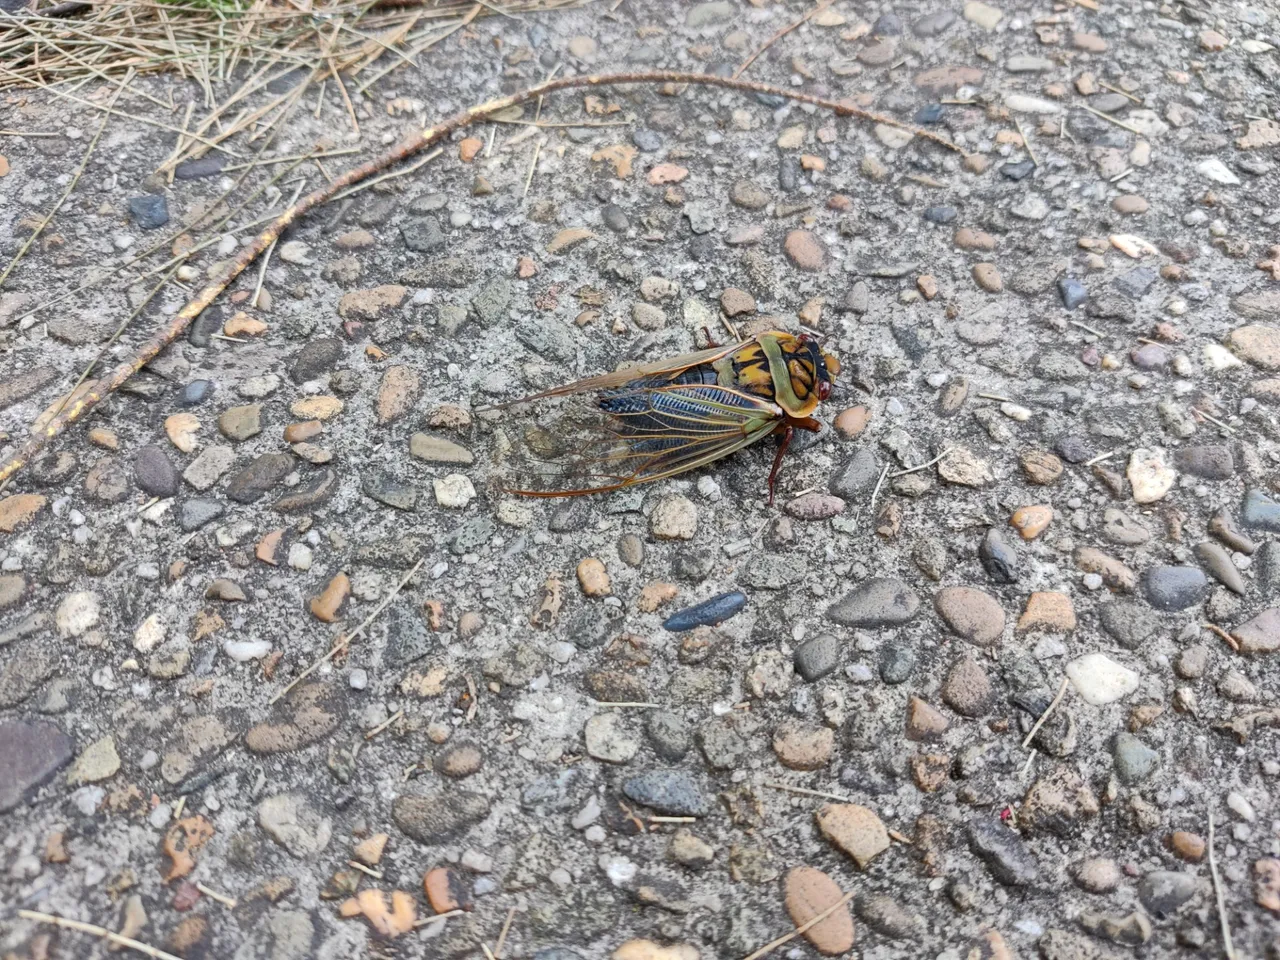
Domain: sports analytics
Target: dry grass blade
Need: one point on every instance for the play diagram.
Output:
(93, 929)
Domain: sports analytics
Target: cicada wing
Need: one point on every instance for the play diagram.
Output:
(594, 443)
(627, 376)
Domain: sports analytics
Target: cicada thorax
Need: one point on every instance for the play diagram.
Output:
(777, 367)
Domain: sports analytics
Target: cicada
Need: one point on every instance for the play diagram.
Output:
(656, 420)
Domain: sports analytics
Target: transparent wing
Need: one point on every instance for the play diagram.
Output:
(617, 437)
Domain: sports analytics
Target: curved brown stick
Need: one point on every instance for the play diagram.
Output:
(79, 406)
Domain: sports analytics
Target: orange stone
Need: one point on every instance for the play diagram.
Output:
(298, 432)
(268, 546)
(852, 422)
(468, 148)
(809, 892)
(243, 325)
(446, 890)
(810, 162)
(667, 173)
(326, 606)
(855, 830)
(1032, 521)
(369, 851)
(1189, 846)
(1049, 612)
(526, 268)
(594, 578)
(17, 511)
(655, 595)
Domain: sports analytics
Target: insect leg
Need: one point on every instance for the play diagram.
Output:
(787, 433)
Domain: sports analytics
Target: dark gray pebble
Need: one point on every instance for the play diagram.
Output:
(259, 477)
(1174, 588)
(998, 557)
(150, 211)
(708, 613)
(1072, 292)
(671, 792)
(154, 472)
(196, 392)
(196, 513)
(1260, 512)
(817, 657)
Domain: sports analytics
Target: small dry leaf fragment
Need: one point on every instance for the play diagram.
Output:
(667, 173)
(369, 851)
(620, 155)
(182, 841)
(594, 105)
(389, 920)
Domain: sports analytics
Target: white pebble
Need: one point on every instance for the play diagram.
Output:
(1100, 680)
(1093, 581)
(454, 491)
(300, 556)
(1240, 806)
(358, 679)
(243, 651)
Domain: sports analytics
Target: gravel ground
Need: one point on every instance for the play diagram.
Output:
(1049, 474)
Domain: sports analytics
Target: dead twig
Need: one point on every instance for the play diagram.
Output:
(1099, 458)
(805, 791)
(502, 936)
(1230, 641)
(384, 724)
(923, 466)
(1110, 119)
(411, 145)
(1062, 691)
(222, 898)
(92, 928)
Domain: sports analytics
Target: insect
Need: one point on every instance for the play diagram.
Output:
(660, 419)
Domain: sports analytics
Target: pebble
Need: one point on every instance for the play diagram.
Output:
(1032, 521)
(31, 753)
(1261, 634)
(854, 830)
(608, 739)
(1171, 588)
(241, 423)
(1048, 612)
(1072, 292)
(149, 211)
(78, 613)
(1258, 512)
(675, 517)
(670, 792)
(708, 613)
(1098, 875)
(453, 491)
(998, 557)
(1162, 892)
(1003, 851)
(805, 250)
(924, 721)
(988, 277)
(967, 689)
(971, 613)
(1100, 680)
(876, 602)
(817, 657)
(1149, 476)
(1219, 565)
(808, 893)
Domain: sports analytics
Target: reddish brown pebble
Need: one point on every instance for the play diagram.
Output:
(855, 830)
(326, 607)
(967, 238)
(468, 149)
(851, 422)
(927, 286)
(1189, 846)
(810, 162)
(930, 771)
(803, 746)
(369, 851)
(526, 268)
(988, 277)
(17, 511)
(810, 892)
(300, 432)
(268, 546)
(1048, 611)
(446, 890)
(805, 250)
(924, 721)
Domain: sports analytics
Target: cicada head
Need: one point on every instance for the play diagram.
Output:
(813, 371)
